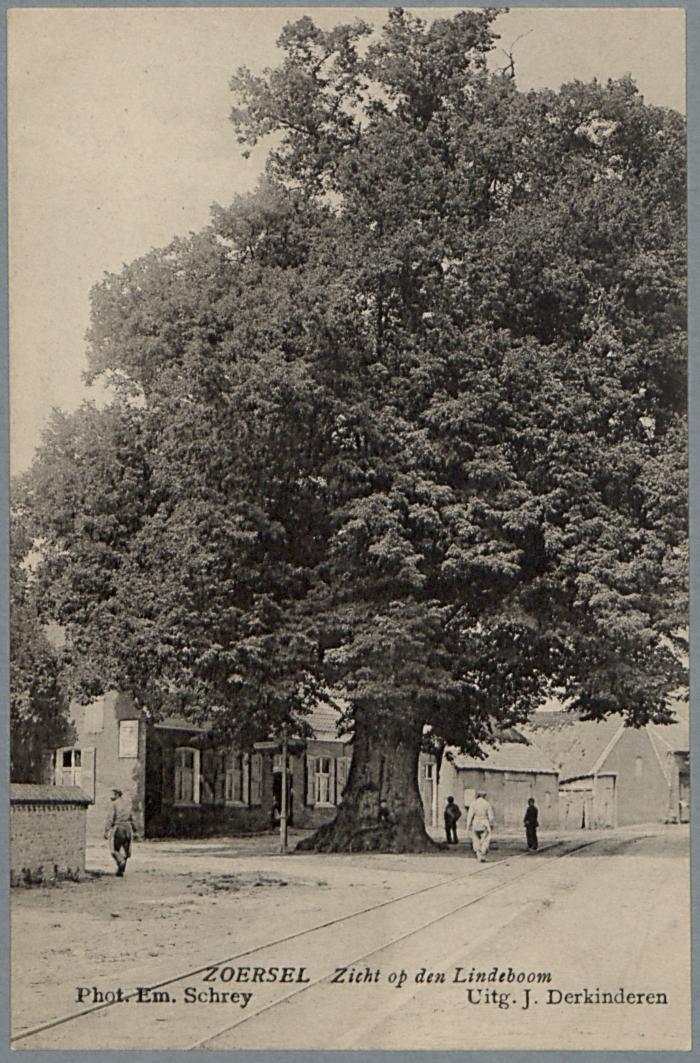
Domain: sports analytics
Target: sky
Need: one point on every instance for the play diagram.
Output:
(119, 140)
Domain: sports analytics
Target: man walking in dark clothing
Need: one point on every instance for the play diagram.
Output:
(531, 825)
(119, 830)
(452, 814)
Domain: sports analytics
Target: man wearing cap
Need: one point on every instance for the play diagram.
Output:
(119, 830)
(480, 822)
(451, 814)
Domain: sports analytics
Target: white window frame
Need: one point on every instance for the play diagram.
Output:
(128, 739)
(323, 782)
(180, 769)
(74, 770)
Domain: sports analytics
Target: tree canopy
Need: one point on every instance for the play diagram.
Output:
(409, 421)
(38, 702)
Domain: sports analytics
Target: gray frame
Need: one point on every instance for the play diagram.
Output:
(693, 96)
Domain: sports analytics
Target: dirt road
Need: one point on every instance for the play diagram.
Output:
(550, 935)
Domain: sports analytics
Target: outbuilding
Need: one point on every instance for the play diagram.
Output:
(610, 774)
(510, 773)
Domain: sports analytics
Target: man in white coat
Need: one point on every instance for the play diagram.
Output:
(480, 822)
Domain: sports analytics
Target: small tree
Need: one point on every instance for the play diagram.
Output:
(409, 421)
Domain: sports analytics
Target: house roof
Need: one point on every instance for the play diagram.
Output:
(23, 793)
(670, 738)
(323, 721)
(511, 755)
(579, 747)
(179, 723)
(673, 737)
(576, 747)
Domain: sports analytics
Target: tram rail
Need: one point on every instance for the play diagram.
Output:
(24, 1035)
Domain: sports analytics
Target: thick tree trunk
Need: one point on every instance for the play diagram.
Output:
(384, 767)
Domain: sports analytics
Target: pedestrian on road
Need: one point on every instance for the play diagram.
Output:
(119, 830)
(452, 814)
(531, 824)
(480, 822)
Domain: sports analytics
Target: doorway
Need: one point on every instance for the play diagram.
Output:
(277, 793)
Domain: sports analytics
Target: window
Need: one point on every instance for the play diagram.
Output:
(187, 776)
(219, 764)
(128, 738)
(639, 767)
(68, 767)
(94, 718)
(212, 778)
(76, 767)
(324, 779)
(428, 771)
(237, 771)
(547, 799)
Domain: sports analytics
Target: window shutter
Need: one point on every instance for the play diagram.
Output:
(196, 797)
(48, 767)
(220, 789)
(87, 772)
(245, 791)
(205, 789)
(256, 779)
(128, 738)
(310, 780)
(332, 776)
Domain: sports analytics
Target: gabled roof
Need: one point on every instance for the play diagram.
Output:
(673, 737)
(580, 747)
(577, 747)
(515, 755)
(670, 738)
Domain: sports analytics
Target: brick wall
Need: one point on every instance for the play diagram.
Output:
(47, 834)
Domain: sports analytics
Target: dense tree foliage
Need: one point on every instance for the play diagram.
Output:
(38, 704)
(408, 421)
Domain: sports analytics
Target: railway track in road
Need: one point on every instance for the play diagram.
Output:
(24, 1037)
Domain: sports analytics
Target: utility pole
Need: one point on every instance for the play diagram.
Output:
(283, 802)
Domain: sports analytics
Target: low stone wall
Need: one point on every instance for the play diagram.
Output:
(47, 833)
